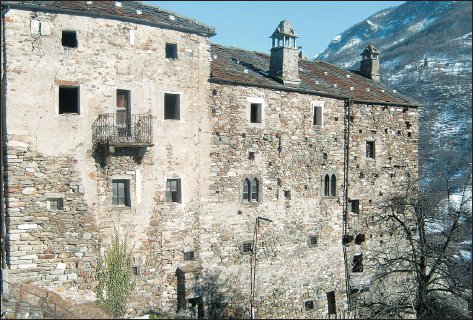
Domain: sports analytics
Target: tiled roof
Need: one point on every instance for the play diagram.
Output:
(131, 11)
(238, 66)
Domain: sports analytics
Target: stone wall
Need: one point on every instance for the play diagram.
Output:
(110, 55)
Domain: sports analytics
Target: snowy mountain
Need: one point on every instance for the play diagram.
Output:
(426, 55)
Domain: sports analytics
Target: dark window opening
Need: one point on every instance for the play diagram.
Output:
(251, 190)
(312, 241)
(188, 256)
(370, 151)
(171, 106)
(360, 131)
(287, 194)
(69, 39)
(55, 204)
(331, 304)
(336, 118)
(254, 189)
(173, 190)
(121, 192)
(255, 113)
(251, 155)
(333, 186)
(246, 189)
(354, 206)
(362, 175)
(325, 156)
(171, 50)
(309, 305)
(360, 238)
(247, 247)
(136, 271)
(347, 239)
(318, 116)
(409, 134)
(358, 263)
(327, 185)
(196, 302)
(68, 100)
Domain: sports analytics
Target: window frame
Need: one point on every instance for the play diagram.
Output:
(172, 52)
(61, 106)
(177, 106)
(318, 117)
(256, 113)
(243, 247)
(169, 195)
(59, 201)
(126, 193)
(370, 149)
(329, 184)
(354, 206)
(69, 42)
(311, 237)
(260, 113)
(251, 189)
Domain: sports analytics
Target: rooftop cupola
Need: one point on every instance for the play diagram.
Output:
(284, 55)
(369, 66)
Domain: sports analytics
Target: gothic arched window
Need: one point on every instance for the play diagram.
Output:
(327, 185)
(333, 185)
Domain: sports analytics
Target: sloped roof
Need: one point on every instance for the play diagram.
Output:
(251, 68)
(131, 11)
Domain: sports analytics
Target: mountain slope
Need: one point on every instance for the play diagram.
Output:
(426, 55)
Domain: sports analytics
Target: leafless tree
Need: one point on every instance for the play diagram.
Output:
(422, 266)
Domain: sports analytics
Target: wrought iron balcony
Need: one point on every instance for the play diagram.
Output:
(121, 130)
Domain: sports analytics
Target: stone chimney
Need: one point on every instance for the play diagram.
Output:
(369, 66)
(284, 55)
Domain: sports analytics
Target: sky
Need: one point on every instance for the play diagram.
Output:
(248, 24)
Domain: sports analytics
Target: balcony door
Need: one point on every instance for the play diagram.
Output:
(123, 114)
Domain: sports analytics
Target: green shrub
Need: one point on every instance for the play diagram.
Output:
(114, 272)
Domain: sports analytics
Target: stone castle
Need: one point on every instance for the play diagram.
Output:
(245, 183)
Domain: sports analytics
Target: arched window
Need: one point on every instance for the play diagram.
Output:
(246, 189)
(333, 185)
(254, 189)
(327, 185)
(251, 189)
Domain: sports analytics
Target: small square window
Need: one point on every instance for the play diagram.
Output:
(136, 270)
(172, 106)
(370, 151)
(360, 238)
(121, 192)
(312, 240)
(171, 50)
(347, 239)
(251, 155)
(173, 190)
(287, 194)
(68, 100)
(69, 39)
(354, 206)
(247, 247)
(189, 255)
(55, 204)
(309, 305)
(256, 110)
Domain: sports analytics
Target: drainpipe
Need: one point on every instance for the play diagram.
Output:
(346, 152)
(3, 130)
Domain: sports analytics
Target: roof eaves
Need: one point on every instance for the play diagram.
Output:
(29, 7)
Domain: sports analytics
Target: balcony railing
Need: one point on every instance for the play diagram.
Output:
(116, 129)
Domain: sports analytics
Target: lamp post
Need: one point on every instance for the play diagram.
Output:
(253, 266)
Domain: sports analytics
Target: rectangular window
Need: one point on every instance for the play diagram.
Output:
(332, 307)
(309, 305)
(317, 116)
(255, 116)
(136, 270)
(188, 256)
(312, 241)
(370, 151)
(68, 100)
(247, 247)
(121, 192)
(246, 195)
(171, 106)
(173, 190)
(354, 206)
(69, 39)
(55, 204)
(123, 107)
(358, 263)
(254, 190)
(171, 50)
